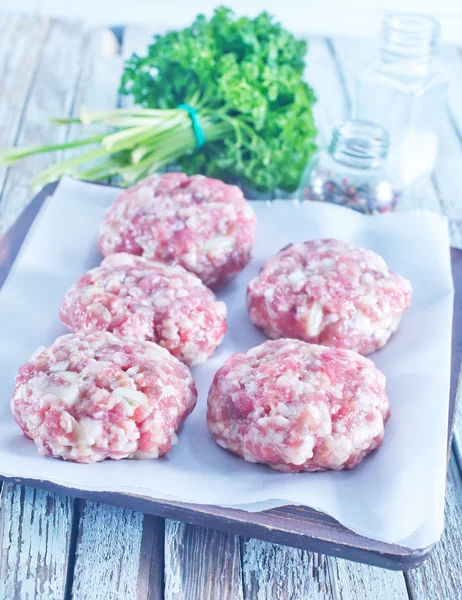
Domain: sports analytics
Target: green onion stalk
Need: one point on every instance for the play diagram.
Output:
(140, 141)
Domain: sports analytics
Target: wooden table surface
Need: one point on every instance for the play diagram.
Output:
(55, 547)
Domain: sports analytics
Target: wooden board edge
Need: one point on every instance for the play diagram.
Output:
(11, 242)
(388, 556)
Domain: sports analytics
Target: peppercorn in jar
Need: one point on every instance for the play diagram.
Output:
(353, 171)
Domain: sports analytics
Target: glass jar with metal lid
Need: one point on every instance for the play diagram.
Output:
(353, 171)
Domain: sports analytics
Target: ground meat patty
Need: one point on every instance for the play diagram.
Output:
(202, 224)
(329, 292)
(145, 300)
(96, 396)
(298, 406)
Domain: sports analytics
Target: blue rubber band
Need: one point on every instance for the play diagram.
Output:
(198, 131)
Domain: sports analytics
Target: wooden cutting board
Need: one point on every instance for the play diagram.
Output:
(297, 526)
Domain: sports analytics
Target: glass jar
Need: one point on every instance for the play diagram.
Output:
(353, 171)
(404, 91)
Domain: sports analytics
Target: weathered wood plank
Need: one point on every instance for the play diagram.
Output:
(448, 178)
(99, 81)
(135, 40)
(52, 93)
(150, 581)
(280, 573)
(448, 173)
(441, 576)
(362, 582)
(201, 563)
(135, 566)
(321, 73)
(36, 525)
(452, 59)
(109, 546)
(35, 535)
(22, 39)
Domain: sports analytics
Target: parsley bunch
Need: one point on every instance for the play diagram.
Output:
(246, 72)
(243, 77)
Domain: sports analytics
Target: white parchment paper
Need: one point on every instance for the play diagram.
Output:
(395, 495)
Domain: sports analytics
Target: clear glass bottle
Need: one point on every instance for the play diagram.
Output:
(404, 91)
(353, 171)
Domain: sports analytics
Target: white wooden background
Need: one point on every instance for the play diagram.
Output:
(54, 547)
(315, 17)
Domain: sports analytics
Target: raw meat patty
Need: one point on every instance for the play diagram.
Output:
(144, 300)
(298, 406)
(202, 224)
(91, 397)
(329, 292)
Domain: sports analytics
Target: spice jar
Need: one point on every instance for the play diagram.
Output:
(404, 91)
(353, 171)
